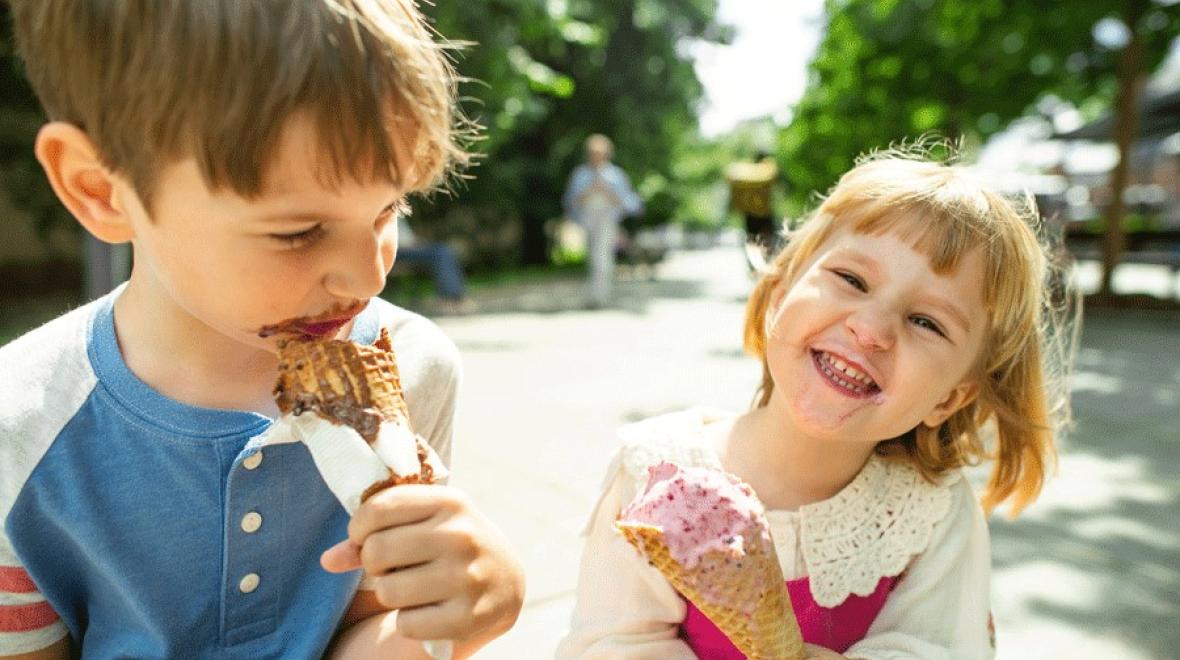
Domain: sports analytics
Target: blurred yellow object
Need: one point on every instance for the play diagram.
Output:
(750, 185)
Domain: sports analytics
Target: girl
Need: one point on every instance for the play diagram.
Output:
(911, 310)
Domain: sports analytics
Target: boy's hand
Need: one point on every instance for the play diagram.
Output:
(445, 567)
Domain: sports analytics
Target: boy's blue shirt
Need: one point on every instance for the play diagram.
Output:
(158, 529)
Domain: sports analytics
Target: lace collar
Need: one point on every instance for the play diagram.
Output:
(869, 530)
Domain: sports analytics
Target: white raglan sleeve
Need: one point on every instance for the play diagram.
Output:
(940, 608)
(624, 609)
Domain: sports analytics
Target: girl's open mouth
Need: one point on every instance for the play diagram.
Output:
(842, 376)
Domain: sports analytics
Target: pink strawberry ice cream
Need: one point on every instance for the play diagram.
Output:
(700, 510)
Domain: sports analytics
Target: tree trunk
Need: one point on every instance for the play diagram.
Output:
(1126, 128)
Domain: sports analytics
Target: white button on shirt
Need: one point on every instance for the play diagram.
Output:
(249, 583)
(252, 461)
(251, 522)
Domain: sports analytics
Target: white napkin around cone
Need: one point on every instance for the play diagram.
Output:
(348, 466)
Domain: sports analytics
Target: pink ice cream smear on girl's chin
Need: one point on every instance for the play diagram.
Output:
(700, 510)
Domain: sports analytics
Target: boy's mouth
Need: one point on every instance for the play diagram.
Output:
(315, 327)
(323, 328)
(843, 377)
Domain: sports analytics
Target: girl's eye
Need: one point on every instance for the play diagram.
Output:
(851, 279)
(927, 324)
(300, 239)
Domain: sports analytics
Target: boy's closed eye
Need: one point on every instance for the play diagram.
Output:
(300, 238)
(312, 234)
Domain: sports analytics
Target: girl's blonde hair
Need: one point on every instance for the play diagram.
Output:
(1032, 335)
(153, 81)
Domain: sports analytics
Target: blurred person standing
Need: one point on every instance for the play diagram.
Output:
(598, 196)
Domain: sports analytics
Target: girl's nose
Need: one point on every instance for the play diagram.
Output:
(873, 329)
(360, 271)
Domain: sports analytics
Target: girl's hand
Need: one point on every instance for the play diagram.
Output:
(813, 652)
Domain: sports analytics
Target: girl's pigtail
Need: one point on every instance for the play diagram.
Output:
(1030, 399)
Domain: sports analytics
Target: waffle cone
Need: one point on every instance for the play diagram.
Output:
(751, 607)
(343, 382)
(351, 384)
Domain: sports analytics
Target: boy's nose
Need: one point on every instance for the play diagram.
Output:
(873, 329)
(360, 272)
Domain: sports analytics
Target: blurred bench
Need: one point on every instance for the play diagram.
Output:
(1155, 247)
(409, 283)
(1169, 258)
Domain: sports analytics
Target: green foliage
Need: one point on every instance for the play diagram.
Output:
(544, 75)
(20, 117)
(887, 71)
(541, 76)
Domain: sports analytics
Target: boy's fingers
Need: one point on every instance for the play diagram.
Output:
(342, 557)
(390, 549)
(399, 505)
(416, 586)
(447, 620)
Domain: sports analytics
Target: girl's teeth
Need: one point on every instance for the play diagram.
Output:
(853, 374)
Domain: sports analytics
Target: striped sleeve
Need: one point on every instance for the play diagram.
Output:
(27, 622)
(45, 377)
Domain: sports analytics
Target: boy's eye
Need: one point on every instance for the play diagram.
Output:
(301, 238)
(927, 324)
(851, 279)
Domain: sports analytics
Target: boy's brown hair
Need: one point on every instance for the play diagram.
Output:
(154, 81)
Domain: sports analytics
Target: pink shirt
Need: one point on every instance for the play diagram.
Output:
(835, 628)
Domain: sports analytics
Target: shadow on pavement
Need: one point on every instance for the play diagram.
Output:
(632, 296)
(1106, 539)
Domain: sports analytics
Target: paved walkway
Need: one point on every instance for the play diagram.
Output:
(1091, 571)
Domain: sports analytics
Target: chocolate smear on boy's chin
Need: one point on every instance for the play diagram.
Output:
(313, 327)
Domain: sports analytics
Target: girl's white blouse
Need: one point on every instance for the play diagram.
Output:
(886, 522)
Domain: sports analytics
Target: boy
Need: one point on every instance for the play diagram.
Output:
(256, 155)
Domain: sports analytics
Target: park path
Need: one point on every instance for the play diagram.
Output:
(1091, 571)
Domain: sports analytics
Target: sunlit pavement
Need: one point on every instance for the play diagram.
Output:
(1091, 571)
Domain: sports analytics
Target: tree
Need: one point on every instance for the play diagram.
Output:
(20, 117)
(547, 74)
(543, 74)
(888, 70)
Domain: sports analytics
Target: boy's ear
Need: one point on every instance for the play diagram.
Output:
(82, 182)
(962, 394)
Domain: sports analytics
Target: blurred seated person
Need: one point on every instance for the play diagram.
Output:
(750, 192)
(440, 259)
